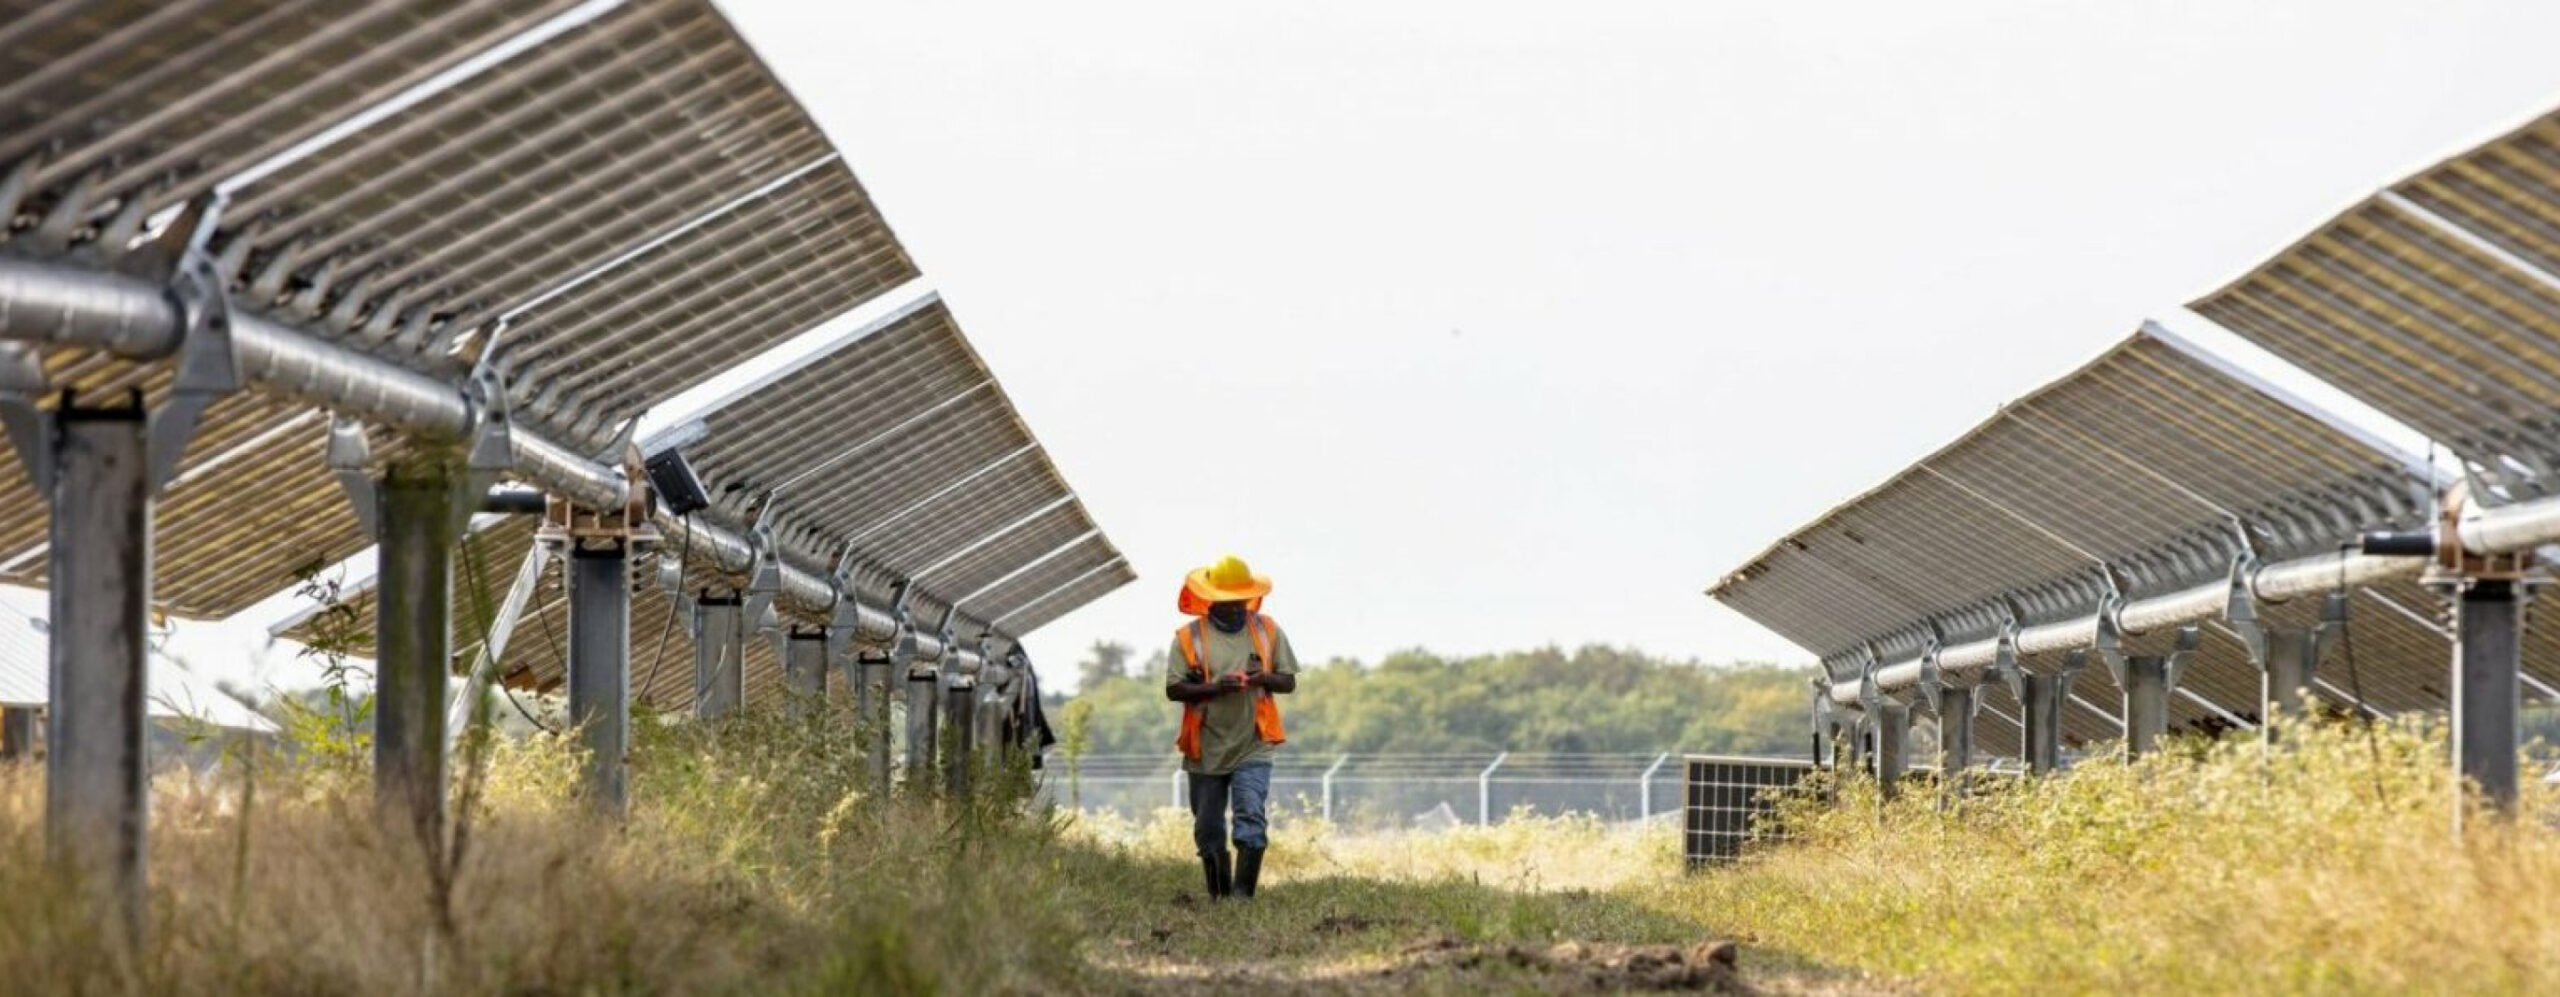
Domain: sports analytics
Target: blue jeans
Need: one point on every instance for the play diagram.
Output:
(1247, 788)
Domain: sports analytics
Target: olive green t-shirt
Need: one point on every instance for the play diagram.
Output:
(1228, 740)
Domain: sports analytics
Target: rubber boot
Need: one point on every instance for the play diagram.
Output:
(1248, 871)
(1219, 874)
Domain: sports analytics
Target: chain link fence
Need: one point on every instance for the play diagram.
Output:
(1392, 792)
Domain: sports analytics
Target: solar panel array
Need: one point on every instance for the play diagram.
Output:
(605, 203)
(2148, 471)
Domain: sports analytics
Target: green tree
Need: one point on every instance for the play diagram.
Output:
(1106, 660)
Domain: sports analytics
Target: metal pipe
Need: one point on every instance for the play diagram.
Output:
(413, 603)
(2274, 583)
(600, 667)
(96, 801)
(69, 305)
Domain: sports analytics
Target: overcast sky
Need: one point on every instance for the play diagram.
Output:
(1480, 326)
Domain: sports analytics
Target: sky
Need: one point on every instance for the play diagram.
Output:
(1481, 326)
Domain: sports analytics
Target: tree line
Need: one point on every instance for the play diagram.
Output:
(1593, 699)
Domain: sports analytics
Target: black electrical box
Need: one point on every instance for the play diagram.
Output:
(679, 490)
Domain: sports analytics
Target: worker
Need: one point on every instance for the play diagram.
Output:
(1226, 665)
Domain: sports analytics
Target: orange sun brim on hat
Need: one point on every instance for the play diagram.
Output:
(1198, 593)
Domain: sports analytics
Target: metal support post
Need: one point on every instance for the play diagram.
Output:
(2041, 699)
(2287, 660)
(1893, 739)
(871, 677)
(2146, 702)
(417, 522)
(923, 687)
(804, 670)
(1484, 790)
(2147, 680)
(2488, 626)
(96, 801)
(17, 733)
(600, 666)
(1327, 783)
(1956, 704)
(960, 722)
(719, 655)
(1644, 787)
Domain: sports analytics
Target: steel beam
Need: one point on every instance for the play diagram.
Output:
(600, 665)
(418, 517)
(719, 655)
(2488, 644)
(96, 801)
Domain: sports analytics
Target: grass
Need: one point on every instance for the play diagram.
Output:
(753, 861)
(2212, 867)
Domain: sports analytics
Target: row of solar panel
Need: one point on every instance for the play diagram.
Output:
(2437, 302)
(607, 202)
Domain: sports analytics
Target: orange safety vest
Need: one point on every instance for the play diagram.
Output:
(1266, 711)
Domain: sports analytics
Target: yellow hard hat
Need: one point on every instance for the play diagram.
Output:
(1229, 580)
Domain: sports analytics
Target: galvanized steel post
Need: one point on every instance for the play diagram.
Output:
(2041, 698)
(923, 712)
(804, 670)
(1955, 733)
(1892, 725)
(719, 655)
(2488, 623)
(1484, 790)
(2145, 678)
(417, 518)
(96, 800)
(871, 715)
(1327, 783)
(960, 723)
(600, 665)
(1644, 787)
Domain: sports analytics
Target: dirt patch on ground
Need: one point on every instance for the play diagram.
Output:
(1707, 966)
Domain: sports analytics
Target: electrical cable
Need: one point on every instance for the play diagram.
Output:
(2355, 679)
(685, 554)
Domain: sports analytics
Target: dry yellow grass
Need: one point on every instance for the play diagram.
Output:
(2211, 868)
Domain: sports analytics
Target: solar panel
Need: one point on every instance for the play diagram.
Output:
(627, 270)
(2136, 474)
(2437, 302)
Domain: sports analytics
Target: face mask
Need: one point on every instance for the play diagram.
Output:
(1229, 616)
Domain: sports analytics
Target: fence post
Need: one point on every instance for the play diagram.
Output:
(1484, 791)
(1328, 786)
(1177, 786)
(1644, 787)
